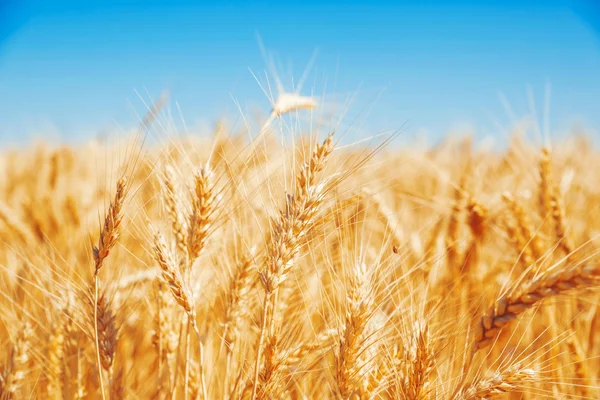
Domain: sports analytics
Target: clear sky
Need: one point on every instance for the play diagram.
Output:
(70, 69)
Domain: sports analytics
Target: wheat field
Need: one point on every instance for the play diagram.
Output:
(222, 268)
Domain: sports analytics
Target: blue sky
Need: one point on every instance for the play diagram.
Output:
(69, 70)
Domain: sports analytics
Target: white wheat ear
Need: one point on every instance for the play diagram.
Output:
(288, 102)
(285, 103)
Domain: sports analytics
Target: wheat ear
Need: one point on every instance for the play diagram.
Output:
(110, 231)
(509, 307)
(415, 382)
(180, 292)
(506, 380)
(109, 235)
(15, 372)
(174, 212)
(360, 305)
(203, 207)
(105, 327)
(55, 357)
(172, 277)
(283, 248)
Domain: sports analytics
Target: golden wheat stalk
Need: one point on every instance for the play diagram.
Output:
(15, 372)
(203, 207)
(55, 357)
(109, 236)
(348, 369)
(111, 230)
(173, 208)
(523, 236)
(418, 365)
(106, 327)
(509, 307)
(294, 221)
(172, 277)
(286, 238)
(180, 292)
(237, 303)
(506, 380)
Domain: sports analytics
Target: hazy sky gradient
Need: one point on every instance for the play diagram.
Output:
(74, 67)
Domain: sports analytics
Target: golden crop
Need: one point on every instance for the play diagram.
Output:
(217, 268)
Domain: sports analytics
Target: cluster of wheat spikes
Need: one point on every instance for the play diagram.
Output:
(221, 268)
